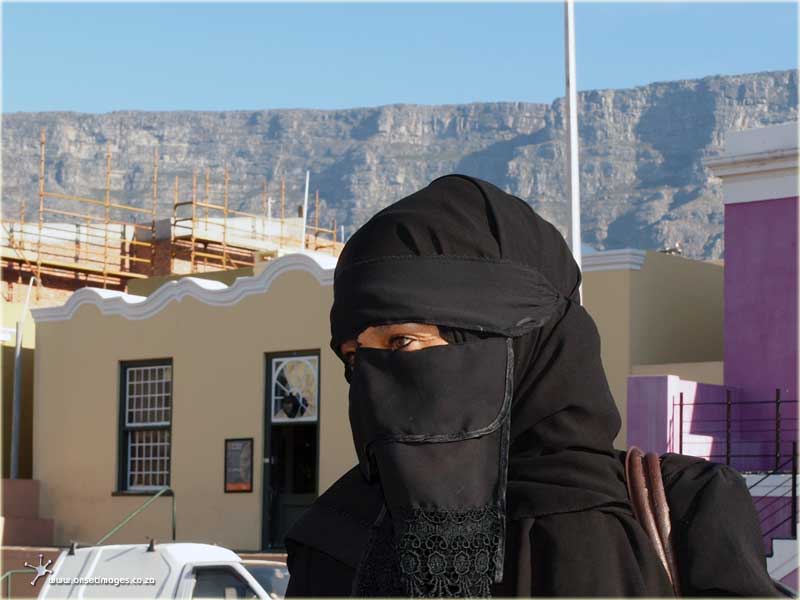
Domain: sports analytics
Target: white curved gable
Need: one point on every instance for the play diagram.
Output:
(214, 293)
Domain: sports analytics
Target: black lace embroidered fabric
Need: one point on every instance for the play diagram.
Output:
(433, 554)
(378, 574)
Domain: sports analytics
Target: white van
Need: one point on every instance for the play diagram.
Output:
(173, 570)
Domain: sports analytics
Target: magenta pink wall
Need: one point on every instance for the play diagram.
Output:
(761, 298)
(761, 354)
(649, 413)
(791, 580)
(761, 316)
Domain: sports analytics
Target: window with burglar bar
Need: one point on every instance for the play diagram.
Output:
(145, 425)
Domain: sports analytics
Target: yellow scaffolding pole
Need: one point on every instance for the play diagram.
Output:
(108, 215)
(283, 209)
(265, 208)
(155, 213)
(42, 142)
(316, 218)
(225, 224)
(207, 198)
(174, 226)
(194, 216)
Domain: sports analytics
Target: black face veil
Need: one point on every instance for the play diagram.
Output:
(512, 420)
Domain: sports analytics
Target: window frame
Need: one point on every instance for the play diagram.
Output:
(221, 567)
(123, 428)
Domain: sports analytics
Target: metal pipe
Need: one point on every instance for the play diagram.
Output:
(680, 424)
(155, 208)
(78, 242)
(571, 110)
(17, 401)
(264, 196)
(42, 141)
(96, 202)
(269, 216)
(225, 224)
(316, 218)
(172, 225)
(283, 210)
(305, 212)
(194, 217)
(794, 489)
(125, 251)
(21, 224)
(107, 214)
(7, 576)
(264, 206)
(728, 408)
(132, 514)
(777, 427)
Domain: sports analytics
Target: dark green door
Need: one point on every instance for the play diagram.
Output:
(291, 442)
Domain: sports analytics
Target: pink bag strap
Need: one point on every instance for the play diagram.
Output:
(649, 503)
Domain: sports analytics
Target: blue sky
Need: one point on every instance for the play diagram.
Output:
(148, 56)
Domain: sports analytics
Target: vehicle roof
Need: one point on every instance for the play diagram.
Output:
(179, 552)
(164, 565)
(191, 552)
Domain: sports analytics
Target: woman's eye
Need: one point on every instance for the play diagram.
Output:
(399, 342)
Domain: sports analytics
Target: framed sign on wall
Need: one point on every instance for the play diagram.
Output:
(295, 389)
(239, 465)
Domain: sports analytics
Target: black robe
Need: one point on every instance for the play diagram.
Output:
(465, 255)
(596, 552)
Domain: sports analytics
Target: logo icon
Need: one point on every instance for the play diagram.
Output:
(41, 569)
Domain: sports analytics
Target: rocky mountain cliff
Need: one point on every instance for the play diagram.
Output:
(643, 184)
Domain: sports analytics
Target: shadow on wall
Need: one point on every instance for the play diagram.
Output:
(26, 416)
(670, 414)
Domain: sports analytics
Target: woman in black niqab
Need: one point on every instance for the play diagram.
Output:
(487, 466)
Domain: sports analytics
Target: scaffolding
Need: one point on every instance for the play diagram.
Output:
(105, 243)
(213, 236)
(97, 242)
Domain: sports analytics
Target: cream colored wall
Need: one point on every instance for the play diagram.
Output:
(677, 310)
(11, 314)
(701, 372)
(606, 295)
(669, 310)
(145, 287)
(218, 393)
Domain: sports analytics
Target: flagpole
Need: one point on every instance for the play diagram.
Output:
(571, 113)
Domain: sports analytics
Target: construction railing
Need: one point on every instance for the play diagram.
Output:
(216, 236)
(104, 242)
(775, 496)
(99, 240)
(758, 438)
(750, 435)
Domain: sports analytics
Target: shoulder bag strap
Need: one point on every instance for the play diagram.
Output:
(649, 503)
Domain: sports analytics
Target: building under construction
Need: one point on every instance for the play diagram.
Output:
(77, 241)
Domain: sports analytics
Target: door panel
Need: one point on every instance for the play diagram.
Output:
(291, 443)
(293, 476)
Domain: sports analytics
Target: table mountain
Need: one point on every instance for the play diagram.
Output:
(643, 184)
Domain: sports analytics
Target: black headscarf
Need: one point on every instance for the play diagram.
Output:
(464, 254)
